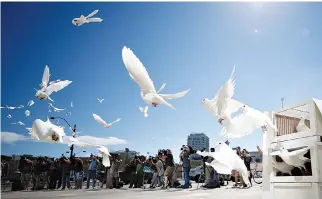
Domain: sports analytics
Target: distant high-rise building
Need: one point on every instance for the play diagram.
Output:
(198, 141)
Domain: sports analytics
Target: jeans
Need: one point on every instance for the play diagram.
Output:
(91, 175)
(186, 171)
(66, 179)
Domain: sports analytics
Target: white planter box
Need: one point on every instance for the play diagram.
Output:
(316, 160)
(296, 190)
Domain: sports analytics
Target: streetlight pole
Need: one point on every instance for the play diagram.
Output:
(282, 99)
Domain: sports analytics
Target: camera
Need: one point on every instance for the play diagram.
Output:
(212, 150)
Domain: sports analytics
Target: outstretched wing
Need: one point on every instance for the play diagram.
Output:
(161, 88)
(94, 20)
(55, 87)
(99, 120)
(221, 102)
(117, 120)
(299, 152)
(137, 71)
(45, 76)
(174, 96)
(220, 167)
(92, 14)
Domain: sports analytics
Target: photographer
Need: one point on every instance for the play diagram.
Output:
(170, 167)
(91, 173)
(37, 170)
(66, 165)
(78, 168)
(139, 172)
(25, 167)
(116, 161)
(131, 167)
(185, 158)
(247, 160)
(160, 169)
(152, 165)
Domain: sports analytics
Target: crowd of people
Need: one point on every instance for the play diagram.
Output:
(47, 173)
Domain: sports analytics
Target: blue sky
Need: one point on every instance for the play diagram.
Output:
(186, 45)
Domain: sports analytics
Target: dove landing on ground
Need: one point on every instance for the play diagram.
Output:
(101, 121)
(144, 110)
(82, 20)
(140, 75)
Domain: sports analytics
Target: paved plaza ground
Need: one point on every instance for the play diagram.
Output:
(225, 192)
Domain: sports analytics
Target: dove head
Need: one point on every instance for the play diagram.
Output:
(204, 101)
(76, 22)
(244, 108)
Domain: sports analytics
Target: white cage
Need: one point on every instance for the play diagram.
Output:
(286, 120)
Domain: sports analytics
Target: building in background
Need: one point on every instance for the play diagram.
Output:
(198, 141)
(256, 156)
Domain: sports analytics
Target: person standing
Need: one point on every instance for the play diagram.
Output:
(185, 158)
(160, 168)
(247, 160)
(66, 163)
(132, 170)
(115, 171)
(91, 174)
(170, 167)
(79, 173)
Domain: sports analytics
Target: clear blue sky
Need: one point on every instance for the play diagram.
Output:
(186, 45)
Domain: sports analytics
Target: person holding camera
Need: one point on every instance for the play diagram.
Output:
(247, 160)
(91, 173)
(116, 162)
(160, 170)
(131, 167)
(25, 167)
(170, 167)
(78, 168)
(152, 165)
(66, 166)
(185, 158)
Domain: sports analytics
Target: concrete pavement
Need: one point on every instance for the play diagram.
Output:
(225, 192)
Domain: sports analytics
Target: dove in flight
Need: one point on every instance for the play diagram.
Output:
(71, 104)
(27, 113)
(301, 127)
(12, 107)
(19, 123)
(295, 158)
(30, 103)
(222, 105)
(144, 110)
(55, 109)
(47, 131)
(82, 20)
(226, 160)
(100, 100)
(68, 113)
(46, 90)
(105, 154)
(9, 116)
(74, 141)
(29, 131)
(140, 75)
(101, 121)
(246, 123)
(55, 81)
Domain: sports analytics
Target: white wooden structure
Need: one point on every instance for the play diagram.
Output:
(286, 120)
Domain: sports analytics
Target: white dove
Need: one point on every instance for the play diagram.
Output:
(105, 154)
(30, 103)
(27, 113)
(9, 116)
(55, 109)
(226, 160)
(100, 100)
(46, 90)
(282, 167)
(29, 130)
(301, 127)
(19, 123)
(55, 81)
(74, 141)
(101, 121)
(139, 74)
(246, 123)
(144, 110)
(12, 107)
(295, 158)
(71, 104)
(46, 131)
(222, 105)
(82, 20)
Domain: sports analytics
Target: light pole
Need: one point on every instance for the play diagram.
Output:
(282, 99)
(74, 134)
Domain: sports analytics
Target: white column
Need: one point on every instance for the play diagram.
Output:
(267, 160)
